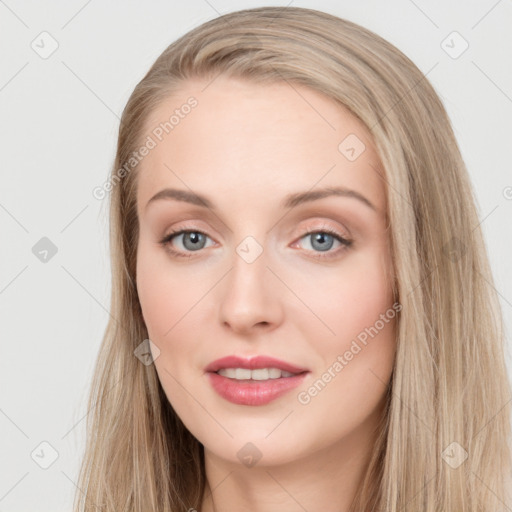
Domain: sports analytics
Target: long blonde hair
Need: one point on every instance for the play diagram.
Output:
(444, 443)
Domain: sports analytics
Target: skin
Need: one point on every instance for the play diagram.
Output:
(246, 146)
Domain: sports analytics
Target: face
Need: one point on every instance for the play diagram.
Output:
(263, 270)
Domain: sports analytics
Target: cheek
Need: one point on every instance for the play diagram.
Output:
(164, 294)
(154, 297)
(355, 363)
(167, 297)
(349, 298)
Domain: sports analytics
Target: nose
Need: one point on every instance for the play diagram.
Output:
(251, 296)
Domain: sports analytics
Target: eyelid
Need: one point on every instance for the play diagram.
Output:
(323, 225)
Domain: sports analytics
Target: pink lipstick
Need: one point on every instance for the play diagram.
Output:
(254, 381)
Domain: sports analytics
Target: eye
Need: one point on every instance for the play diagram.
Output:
(192, 240)
(322, 240)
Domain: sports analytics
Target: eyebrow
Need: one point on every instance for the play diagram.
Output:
(289, 201)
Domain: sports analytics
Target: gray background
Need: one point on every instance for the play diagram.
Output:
(58, 123)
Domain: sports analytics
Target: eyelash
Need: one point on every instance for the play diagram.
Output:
(346, 243)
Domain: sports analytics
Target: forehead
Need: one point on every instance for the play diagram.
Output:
(222, 136)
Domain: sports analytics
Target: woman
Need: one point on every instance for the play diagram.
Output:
(303, 314)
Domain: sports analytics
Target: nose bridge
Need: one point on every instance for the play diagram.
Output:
(250, 250)
(249, 297)
(248, 275)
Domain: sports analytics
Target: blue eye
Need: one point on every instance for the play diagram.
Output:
(322, 241)
(194, 240)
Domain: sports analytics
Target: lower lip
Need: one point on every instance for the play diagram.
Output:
(253, 392)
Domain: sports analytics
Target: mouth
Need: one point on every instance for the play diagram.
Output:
(255, 381)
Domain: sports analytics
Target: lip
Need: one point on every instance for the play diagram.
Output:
(253, 363)
(253, 392)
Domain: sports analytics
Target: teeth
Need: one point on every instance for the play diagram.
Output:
(259, 374)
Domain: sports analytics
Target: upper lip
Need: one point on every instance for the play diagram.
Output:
(252, 363)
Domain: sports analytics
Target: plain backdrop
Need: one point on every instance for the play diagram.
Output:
(59, 116)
